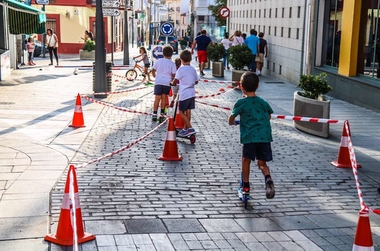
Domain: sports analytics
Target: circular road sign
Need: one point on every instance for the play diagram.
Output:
(224, 12)
(167, 29)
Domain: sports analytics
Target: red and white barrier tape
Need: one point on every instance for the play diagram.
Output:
(211, 95)
(112, 106)
(117, 92)
(217, 106)
(124, 77)
(214, 81)
(354, 164)
(296, 118)
(123, 148)
(307, 119)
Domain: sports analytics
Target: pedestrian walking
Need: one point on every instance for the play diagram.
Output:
(255, 132)
(86, 36)
(30, 45)
(236, 38)
(164, 71)
(253, 44)
(263, 52)
(227, 44)
(201, 42)
(175, 88)
(188, 78)
(52, 44)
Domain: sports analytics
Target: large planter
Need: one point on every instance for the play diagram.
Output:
(87, 55)
(306, 107)
(236, 75)
(207, 65)
(217, 69)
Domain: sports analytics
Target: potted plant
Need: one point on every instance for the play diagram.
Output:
(240, 56)
(215, 52)
(183, 43)
(88, 50)
(311, 102)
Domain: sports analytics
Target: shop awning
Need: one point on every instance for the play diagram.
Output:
(24, 19)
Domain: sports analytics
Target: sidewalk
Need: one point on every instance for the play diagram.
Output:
(132, 201)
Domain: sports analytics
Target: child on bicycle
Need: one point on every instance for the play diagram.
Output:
(255, 132)
(164, 71)
(175, 89)
(145, 59)
(187, 77)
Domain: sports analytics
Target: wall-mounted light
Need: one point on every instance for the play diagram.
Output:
(67, 14)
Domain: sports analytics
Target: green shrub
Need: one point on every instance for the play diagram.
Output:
(240, 56)
(314, 86)
(215, 52)
(89, 45)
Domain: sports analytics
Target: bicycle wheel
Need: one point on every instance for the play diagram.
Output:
(131, 75)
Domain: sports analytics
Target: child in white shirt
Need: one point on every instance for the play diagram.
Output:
(188, 77)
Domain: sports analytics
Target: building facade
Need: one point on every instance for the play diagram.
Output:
(285, 25)
(346, 43)
(339, 37)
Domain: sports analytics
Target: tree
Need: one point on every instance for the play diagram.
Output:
(215, 11)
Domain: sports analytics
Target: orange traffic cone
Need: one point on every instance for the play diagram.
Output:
(170, 148)
(65, 232)
(78, 120)
(178, 119)
(344, 154)
(363, 237)
(170, 92)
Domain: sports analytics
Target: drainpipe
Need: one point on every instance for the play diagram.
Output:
(311, 35)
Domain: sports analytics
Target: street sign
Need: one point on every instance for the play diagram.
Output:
(157, 52)
(111, 12)
(224, 12)
(110, 4)
(46, 2)
(167, 29)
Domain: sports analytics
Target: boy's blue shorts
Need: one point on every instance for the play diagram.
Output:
(187, 104)
(260, 151)
(161, 89)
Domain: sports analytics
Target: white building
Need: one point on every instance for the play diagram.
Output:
(286, 28)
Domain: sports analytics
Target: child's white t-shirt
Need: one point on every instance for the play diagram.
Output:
(165, 69)
(187, 77)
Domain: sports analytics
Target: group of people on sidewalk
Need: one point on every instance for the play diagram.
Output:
(257, 44)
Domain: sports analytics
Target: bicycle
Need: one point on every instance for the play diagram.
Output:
(137, 70)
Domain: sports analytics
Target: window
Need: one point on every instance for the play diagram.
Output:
(283, 13)
(290, 12)
(298, 33)
(274, 67)
(259, 13)
(255, 13)
(265, 12)
(275, 31)
(275, 13)
(299, 12)
(280, 69)
(289, 32)
(269, 30)
(201, 18)
(282, 31)
(334, 31)
(369, 40)
(268, 65)
(270, 13)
